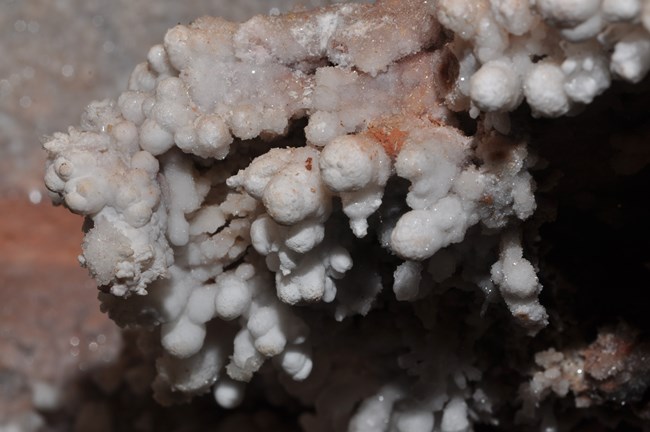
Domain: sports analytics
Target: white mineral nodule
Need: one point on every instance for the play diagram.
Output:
(248, 242)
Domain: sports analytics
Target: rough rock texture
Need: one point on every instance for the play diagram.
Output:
(59, 55)
(337, 208)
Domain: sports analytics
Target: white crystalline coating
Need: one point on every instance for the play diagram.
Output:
(414, 420)
(358, 169)
(577, 34)
(496, 86)
(506, 183)
(186, 313)
(154, 139)
(248, 239)
(228, 393)
(245, 359)
(344, 35)
(284, 244)
(233, 296)
(432, 159)
(269, 326)
(455, 416)
(407, 280)
(207, 220)
(184, 195)
(296, 362)
(567, 13)
(119, 191)
(263, 326)
(337, 92)
(621, 10)
(631, 58)
(313, 277)
(586, 30)
(274, 178)
(514, 15)
(544, 90)
(182, 338)
(323, 127)
(346, 166)
(443, 224)
(518, 283)
(587, 75)
(286, 203)
(289, 184)
(192, 375)
(373, 414)
(212, 137)
(515, 275)
(472, 20)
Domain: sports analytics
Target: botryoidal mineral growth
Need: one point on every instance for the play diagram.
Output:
(341, 203)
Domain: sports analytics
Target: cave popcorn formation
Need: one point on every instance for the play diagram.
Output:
(237, 239)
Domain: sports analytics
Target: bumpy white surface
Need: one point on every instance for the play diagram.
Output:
(557, 55)
(212, 220)
(517, 280)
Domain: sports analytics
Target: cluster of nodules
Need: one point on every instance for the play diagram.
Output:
(557, 55)
(211, 222)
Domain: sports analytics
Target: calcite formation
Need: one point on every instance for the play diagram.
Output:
(260, 186)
